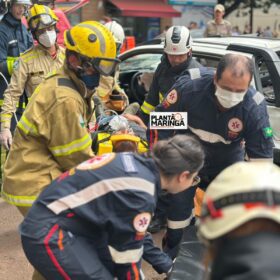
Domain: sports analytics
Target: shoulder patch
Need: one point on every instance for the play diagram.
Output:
(142, 221)
(194, 73)
(258, 98)
(96, 162)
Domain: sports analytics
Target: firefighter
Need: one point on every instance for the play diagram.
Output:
(223, 112)
(109, 91)
(240, 222)
(176, 59)
(98, 212)
(14, 40)
(52, 135)
(32, 66)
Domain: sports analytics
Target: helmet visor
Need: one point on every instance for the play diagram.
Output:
(40, 21)
(104, 66)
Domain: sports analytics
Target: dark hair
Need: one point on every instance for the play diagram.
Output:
(178, 154)
(238, 64)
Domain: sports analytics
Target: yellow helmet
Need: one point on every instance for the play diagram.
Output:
(40, 17)
(93, 41)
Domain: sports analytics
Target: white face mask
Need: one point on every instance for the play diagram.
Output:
(228, 98)
(48, 38)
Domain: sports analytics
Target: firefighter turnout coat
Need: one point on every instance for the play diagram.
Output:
(51, 137)
(31, 69)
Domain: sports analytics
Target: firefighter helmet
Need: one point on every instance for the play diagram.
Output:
(178, 40)
(95, 44)
(40, 17)
(242, 192)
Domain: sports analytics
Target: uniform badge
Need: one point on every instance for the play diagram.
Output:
(96, 162)
(15, 65)
(172, 97)
(141, 222)
(235, 125)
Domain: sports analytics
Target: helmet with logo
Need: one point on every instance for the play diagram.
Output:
(95, 46)
(117, 31)
(40, 17)
(241, 193)
(178, 40)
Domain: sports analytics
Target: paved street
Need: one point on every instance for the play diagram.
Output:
(13, 265)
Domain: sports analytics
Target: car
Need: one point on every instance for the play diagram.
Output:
(265, 53)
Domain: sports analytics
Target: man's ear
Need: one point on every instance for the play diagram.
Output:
(183, 176)
(74, 61)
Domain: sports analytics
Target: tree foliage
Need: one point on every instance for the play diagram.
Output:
(232, 5)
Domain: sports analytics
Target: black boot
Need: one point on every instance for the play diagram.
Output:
(157, 224)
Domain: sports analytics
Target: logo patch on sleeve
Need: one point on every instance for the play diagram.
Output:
(142, 221)
(172, 97)
(267, 132)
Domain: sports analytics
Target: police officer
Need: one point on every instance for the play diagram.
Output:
(32, 66)
(111, 94)
(176, 59)
(52, 135)
(98, 212)
(241, 222)
(218, 26)
(223, 112)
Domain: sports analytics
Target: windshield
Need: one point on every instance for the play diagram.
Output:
(147, 61)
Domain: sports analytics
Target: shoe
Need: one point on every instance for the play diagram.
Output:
(157, 224)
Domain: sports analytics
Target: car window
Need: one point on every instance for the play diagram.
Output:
(207, 61)
(142, 62)
(266, 81)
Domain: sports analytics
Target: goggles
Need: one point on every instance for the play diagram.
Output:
(41, 21)
(104, 66)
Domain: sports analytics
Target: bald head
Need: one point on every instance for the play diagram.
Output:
(238, 65)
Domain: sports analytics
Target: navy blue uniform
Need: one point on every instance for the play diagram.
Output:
(163, 80)
(14, 40)
(222, 134)
(91, 222)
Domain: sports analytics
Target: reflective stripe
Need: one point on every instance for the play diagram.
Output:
(26, 126)
(261, 159)
(12, 42)
(209, 137)
(28, 58)
(18, 200)
(258, 98)
(23, 105)
(194, 73)
(128, 256)
(72, 147)
(180, 224)
(101, 188)
(147, 108)
(161, 97)
(5, 117)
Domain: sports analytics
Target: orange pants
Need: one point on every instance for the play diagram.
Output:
(198, 199)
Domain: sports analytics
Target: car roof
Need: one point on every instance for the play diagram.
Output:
(242, 40)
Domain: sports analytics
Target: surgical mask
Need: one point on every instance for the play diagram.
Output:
(228, 98)
(91, 81)
(47, 39)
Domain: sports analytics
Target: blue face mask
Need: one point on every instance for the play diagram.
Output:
(91, 81)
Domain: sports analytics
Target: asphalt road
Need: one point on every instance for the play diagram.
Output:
(13, 264)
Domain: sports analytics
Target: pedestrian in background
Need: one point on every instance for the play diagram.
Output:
(218, 27)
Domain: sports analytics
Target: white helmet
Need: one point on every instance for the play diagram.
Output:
(242, 192)
(178, 40)
(117, 31)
